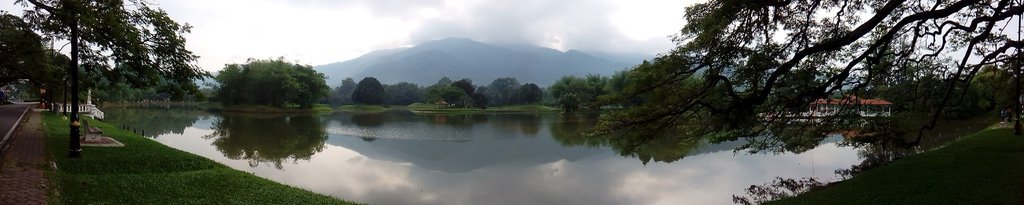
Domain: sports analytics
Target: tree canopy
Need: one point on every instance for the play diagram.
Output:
(22, 55)
(474, 98)
(369, 91)
(502, 91)
(574, 93)
(343, 93)
(273, 82)
(403, 93)
(445, 93)
(130, 42)
(529, 94)
(743, 68)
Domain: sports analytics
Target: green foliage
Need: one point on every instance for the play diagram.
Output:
(616, 88)
(272, 83)
(574, 93)
(446, 93)
(147, 172)
(472, 97)
(503, 91)
(479, 99)
(529, 94)
(403, 94)
(466, 85)
(992, 88)
(121, 92)
(342, 95)
(747, 69)
(369, 91)
(128, 42)
(22, 55)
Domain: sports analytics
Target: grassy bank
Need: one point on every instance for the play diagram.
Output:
(982, 168)
(269, 109)
(363, 108)
(147, 172)
(428, 108)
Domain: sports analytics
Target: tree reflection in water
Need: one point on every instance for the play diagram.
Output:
(268, 139)
(143, 118)
(572, 129)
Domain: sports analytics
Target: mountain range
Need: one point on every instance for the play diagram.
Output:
(459, 58)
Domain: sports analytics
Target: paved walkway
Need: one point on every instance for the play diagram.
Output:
(9, 114)
(23, 175)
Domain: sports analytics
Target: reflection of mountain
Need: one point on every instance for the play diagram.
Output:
(154, 122)
(491, 140)
(273, 140)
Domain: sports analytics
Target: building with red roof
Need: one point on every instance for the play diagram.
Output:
(863, 106)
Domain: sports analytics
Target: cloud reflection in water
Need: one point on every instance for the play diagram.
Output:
(501, 166)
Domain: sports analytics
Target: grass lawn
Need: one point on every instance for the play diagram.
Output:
(982, 168)
(147, 172)
(322, 109)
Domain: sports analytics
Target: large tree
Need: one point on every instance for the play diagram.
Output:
(123, 41)
(742, 69)
(502, 91)
(474, 98)
(272, 82)
(369, 91)
(529, 94)
(343, 93)
(22, 54)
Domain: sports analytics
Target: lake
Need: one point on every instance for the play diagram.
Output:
(406, 158)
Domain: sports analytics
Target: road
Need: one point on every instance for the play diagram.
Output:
(9, 115)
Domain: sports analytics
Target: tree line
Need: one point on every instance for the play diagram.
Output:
(461, 93)
(571, 93)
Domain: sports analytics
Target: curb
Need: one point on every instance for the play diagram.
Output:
(3, 142)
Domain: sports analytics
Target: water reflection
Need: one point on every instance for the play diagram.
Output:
(174, 121)
(405, 158)
(272, 140)
(468, 143)
(570, 131)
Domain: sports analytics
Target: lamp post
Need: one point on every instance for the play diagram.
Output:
(75, 145)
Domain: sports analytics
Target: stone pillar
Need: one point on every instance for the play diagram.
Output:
(88, 97)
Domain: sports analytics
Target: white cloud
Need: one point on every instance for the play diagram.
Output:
(320, 31)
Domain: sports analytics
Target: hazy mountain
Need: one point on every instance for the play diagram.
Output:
(459, 58)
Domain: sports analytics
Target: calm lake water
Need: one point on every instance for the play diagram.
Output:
(405, 158)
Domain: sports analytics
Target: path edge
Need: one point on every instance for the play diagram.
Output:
(3, 143)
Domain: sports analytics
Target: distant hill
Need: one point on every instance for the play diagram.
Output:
(459, 58)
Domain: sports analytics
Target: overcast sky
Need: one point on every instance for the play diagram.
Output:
(324, 31)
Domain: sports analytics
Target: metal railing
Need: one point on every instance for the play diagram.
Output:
(88, 109)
